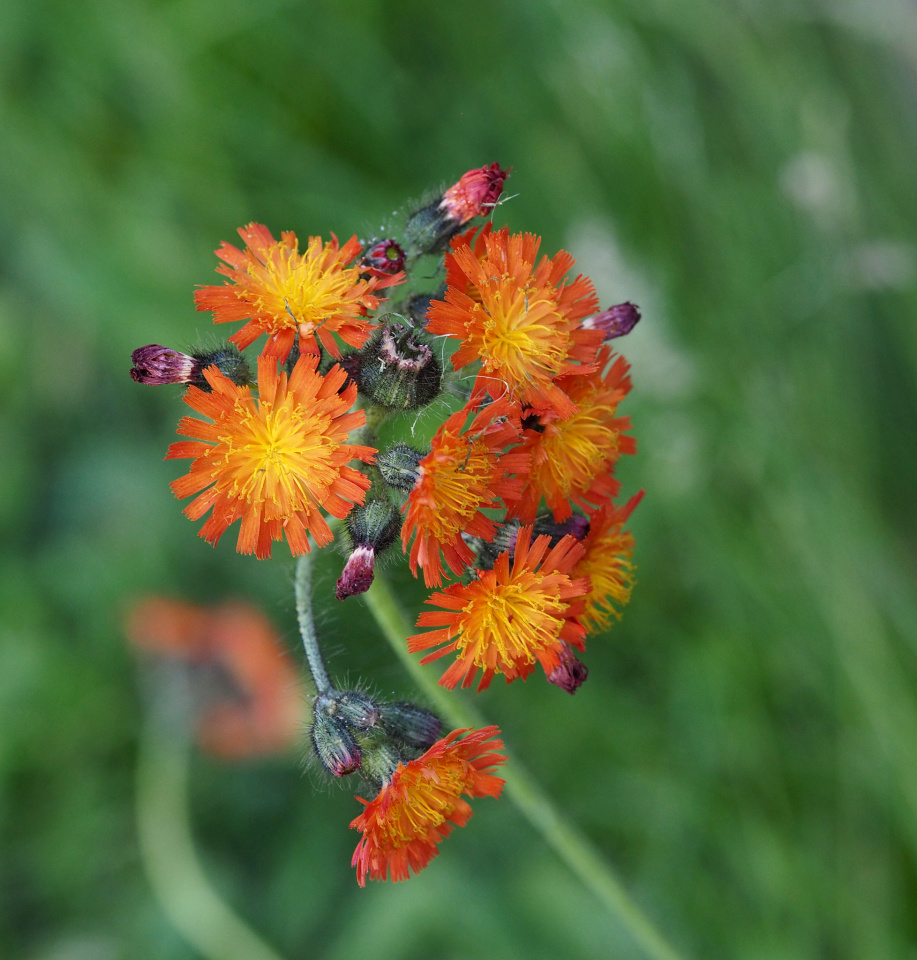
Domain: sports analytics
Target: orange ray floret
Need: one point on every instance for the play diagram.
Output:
(282, 292)
(521, 321)
(510, 617)
(422, 802)
(606, 562)
(465, 472)
(275, 463)
(573, 457)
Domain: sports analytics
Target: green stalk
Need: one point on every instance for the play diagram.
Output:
(564, 837)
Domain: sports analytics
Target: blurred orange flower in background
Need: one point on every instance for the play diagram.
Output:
(246, 691)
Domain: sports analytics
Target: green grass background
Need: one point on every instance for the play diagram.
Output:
(745, 750)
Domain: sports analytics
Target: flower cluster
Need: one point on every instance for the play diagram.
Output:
(513, 500)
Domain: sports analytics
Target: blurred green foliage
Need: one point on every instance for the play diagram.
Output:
(744, 748)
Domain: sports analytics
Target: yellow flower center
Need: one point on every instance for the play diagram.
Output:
(458, 477)
(523, 334)
(576, 449)
(429, 797)
(303, 289)
(277, 457)
(510, 622)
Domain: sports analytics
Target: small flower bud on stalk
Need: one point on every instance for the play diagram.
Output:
(430, 229)
(155, 365)
(399, 466)
(414, 726)
(373, 528)
(332, 740)
(614, 322)
(575, 526)
(358, 709)
(570, 674)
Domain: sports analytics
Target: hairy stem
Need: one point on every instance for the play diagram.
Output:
(307, 624)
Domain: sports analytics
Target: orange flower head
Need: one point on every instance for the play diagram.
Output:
(422, 802)
(510, 617)
(606, 563)
(274, 463)
(573, 457)
(282, 292)
(521, 321)
(248, 702)
(465, 472)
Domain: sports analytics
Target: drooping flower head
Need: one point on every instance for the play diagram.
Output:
(606, 562)
(420, 804)
(274, 463)
(466, 471)
(510, 617)
(244, 687)
(521, 321)
(282, 292)
(573, 457)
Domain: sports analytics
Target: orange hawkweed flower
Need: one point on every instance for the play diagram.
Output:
(422, 802)
(521, 321)
(465, 472)
(281, 292)
(247, 696)
(276, 462)
(606, 562)
(573, 457)
(510, 617)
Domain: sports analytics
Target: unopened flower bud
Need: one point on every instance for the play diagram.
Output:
(399, 466)
(380, 759)
(415, 727)
(503, 541)
(397, 369)
(575, 526)
(155, 365)
(419, 304)
(358, 573)
(476, 193)
(333, 743)
(429, 229)
(383, 259)
(614, 322)
(373, 527)
(358, 709)
(570, 673)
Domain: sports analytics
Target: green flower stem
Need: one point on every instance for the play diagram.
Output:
(168, 856)
(307, 624)
(570, 844)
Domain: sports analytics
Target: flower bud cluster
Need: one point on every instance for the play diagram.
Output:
(352, 732)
